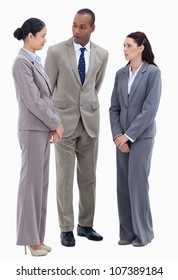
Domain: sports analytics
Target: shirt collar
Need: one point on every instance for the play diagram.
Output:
(78, 46)
(130, 72)
(34, 56)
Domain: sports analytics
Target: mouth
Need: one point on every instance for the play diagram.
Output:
(76, 38)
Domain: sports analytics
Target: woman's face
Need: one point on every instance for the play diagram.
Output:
(131, 50)
(36, 42)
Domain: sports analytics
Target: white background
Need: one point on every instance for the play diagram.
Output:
(114, 20)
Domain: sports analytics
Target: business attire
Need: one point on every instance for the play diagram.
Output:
(37, 117)
(132, 112)
(78, 106)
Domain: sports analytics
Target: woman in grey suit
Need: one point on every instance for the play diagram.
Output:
(39, 125)
(134, 104)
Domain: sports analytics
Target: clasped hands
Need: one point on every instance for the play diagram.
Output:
(56, 135)
(121, 143)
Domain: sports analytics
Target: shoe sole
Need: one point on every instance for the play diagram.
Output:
(123, 244)
(68, 245)
(83, 235)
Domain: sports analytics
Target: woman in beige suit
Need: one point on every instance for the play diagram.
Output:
(39, 125)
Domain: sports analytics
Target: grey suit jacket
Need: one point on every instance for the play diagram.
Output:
(36, 109)
(134, 114)
(71, 98)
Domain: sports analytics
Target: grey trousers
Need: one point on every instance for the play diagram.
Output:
(83, 148)
(133, 192)
(33, 187)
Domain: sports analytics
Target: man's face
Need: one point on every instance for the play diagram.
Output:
(82, 29)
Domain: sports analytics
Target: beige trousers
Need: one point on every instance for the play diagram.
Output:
(81, 147)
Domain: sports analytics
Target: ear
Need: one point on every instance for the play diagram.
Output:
(92, 28)
(30, 36)
(142, 48)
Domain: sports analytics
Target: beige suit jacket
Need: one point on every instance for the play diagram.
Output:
(36, 109)
(71, 98)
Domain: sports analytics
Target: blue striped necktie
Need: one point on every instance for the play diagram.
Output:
(81, 65)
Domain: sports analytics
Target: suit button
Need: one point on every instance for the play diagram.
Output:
(81, 91)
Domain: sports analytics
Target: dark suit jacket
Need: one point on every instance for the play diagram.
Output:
(134, 114)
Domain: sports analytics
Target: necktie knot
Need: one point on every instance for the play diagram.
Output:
(81, 65)
(82, 50)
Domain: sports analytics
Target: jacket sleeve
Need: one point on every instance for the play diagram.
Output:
(101, 73)
(114, 112)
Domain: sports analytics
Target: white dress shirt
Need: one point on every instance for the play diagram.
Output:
(86, 54)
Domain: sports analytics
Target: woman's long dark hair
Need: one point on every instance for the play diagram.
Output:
(141, 39)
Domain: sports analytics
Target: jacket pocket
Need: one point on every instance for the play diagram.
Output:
(60, 104)
(95, 105)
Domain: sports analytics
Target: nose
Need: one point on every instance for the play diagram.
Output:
(76, 30)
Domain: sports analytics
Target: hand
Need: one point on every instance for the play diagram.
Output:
(121, 144)
(60, 130)
(125, 148)
(54, 137)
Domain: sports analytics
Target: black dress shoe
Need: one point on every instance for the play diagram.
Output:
(67, 239)
(89, 232)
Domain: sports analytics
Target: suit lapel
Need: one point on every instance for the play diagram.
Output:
(91, 63)
(135, 84)
(72, 58)
(137, 80)
(43, 73)
(124, 86)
